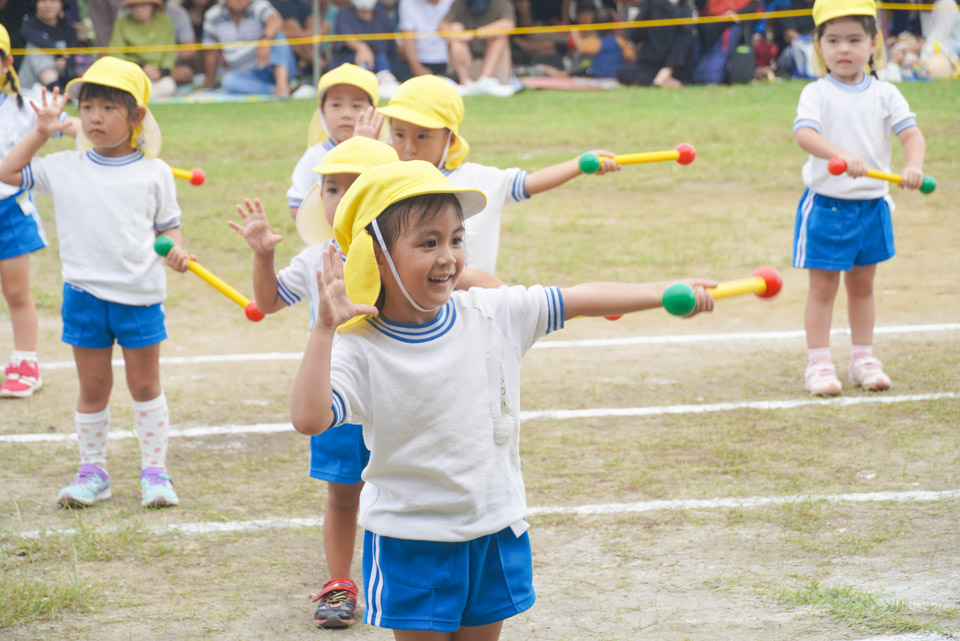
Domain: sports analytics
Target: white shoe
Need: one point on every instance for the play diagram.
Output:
(868, 374)
(491, 87)
(821, 379)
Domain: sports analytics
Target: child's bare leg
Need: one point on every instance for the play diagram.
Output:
(281, 80)
(489, 632)
(15, 280)
(96, 378)
(860, 303)
(496, 49)
(818, 313)
(340, 527)
(143, 372)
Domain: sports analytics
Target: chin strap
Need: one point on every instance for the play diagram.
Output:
(396, 276)
(446, 150)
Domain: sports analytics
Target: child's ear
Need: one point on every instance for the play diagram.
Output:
(138, 114)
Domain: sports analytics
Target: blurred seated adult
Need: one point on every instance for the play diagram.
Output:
(423, 55)
(379, 56)
(47, 28)
(187, 60)
(145, 23)
(492, 51)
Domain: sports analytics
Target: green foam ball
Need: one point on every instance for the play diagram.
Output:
(929, 184)
(163, 245)
(679, 299)
(589, 163)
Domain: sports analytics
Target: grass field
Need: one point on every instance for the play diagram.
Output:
(681, 484)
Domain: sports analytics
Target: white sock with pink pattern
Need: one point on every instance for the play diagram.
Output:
(92, 437)
(151, 419)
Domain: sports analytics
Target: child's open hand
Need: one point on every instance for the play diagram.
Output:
(701, 287)
(856, 168)
(911, 177)
(335, 306)
(178, 259)
(48, 114)
(369, 123)
(607, 164)
(256, 228)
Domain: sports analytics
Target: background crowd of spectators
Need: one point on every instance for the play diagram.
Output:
(668, 56)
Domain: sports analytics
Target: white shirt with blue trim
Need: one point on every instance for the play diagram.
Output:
(304, 177)
(109, 211)
(298, 280)
(501, 186)
(862, 119)
(440, 409)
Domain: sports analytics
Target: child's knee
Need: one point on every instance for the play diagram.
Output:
(343, 497)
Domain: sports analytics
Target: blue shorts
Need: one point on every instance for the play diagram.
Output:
(339, 455)
(440, 586)
(94, 323)
(836, 234)
(21, 231)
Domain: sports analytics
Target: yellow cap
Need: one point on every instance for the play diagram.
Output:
(126, 76)
(349, 157)
(433, 103)
(826, 10)
(345, 74)
(373, 191)
(11, 84)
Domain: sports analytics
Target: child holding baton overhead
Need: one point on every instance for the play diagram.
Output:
(425, 117)
(111, 203)
(432, 374)
(843, 222)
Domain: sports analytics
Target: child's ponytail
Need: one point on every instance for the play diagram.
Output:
(11, 79)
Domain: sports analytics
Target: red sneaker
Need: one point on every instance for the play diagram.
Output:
(338, 604)
(21, 380)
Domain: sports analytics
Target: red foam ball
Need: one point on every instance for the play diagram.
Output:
(771, 277)
(687, 153)
(253, 312)
(197, 176)
(837, 165)
(613, 318)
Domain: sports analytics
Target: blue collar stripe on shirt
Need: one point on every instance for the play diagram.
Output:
(114, 161)
(423, 333)
(860, 87)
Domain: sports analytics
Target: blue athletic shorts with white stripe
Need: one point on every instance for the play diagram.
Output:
(836, 234)
(338, 455)
(21, 231)
(442, 586)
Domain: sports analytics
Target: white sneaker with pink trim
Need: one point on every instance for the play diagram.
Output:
(21, 381)
(867, 372)
(821, 379)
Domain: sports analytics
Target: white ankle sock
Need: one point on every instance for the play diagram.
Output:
(860, 351)
(151, 420)
(18, 357)
(816, 354)
(92, 437)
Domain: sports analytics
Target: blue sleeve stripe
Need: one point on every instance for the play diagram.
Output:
(554, 309)
(519, 189)
(338, 409)
(904, 125)
(26, 178)
(806, 122)
(288, 296)
(172, 224)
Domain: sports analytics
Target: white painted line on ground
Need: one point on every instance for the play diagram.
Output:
(271, 428)
(913, 636)
(598, 342)
(225, 527)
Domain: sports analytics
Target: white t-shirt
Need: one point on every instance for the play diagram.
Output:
(304, 177)
(420, 16)
(299, 279)
(860, 118)
(440, 409)
(501, 186)
(15, 123)
(109, 212)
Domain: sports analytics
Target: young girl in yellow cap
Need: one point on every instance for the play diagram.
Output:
(337, 456)
(21, 233)
(843, 222)
(345, 96)
(425, 117)
(112, 198)
(432, 374)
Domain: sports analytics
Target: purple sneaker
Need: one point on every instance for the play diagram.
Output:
(91, 485)
(157, 488)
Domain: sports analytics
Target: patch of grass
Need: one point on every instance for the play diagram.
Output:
(26, 597)
(864, 610)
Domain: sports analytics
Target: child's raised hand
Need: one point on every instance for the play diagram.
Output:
(335, 306)
(48, 115)
(911, 177)
(856, 168)
(369, 123)
(607, 162)
(701, 287)
(256, 228)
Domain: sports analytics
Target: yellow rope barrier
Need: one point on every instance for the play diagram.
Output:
(518, 31)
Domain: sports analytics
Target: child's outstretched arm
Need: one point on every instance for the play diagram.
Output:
(612, 299)
(812, 142)
(48, 124)
(256, 231)
(914, 150)
(549, 177)
(311, 410)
